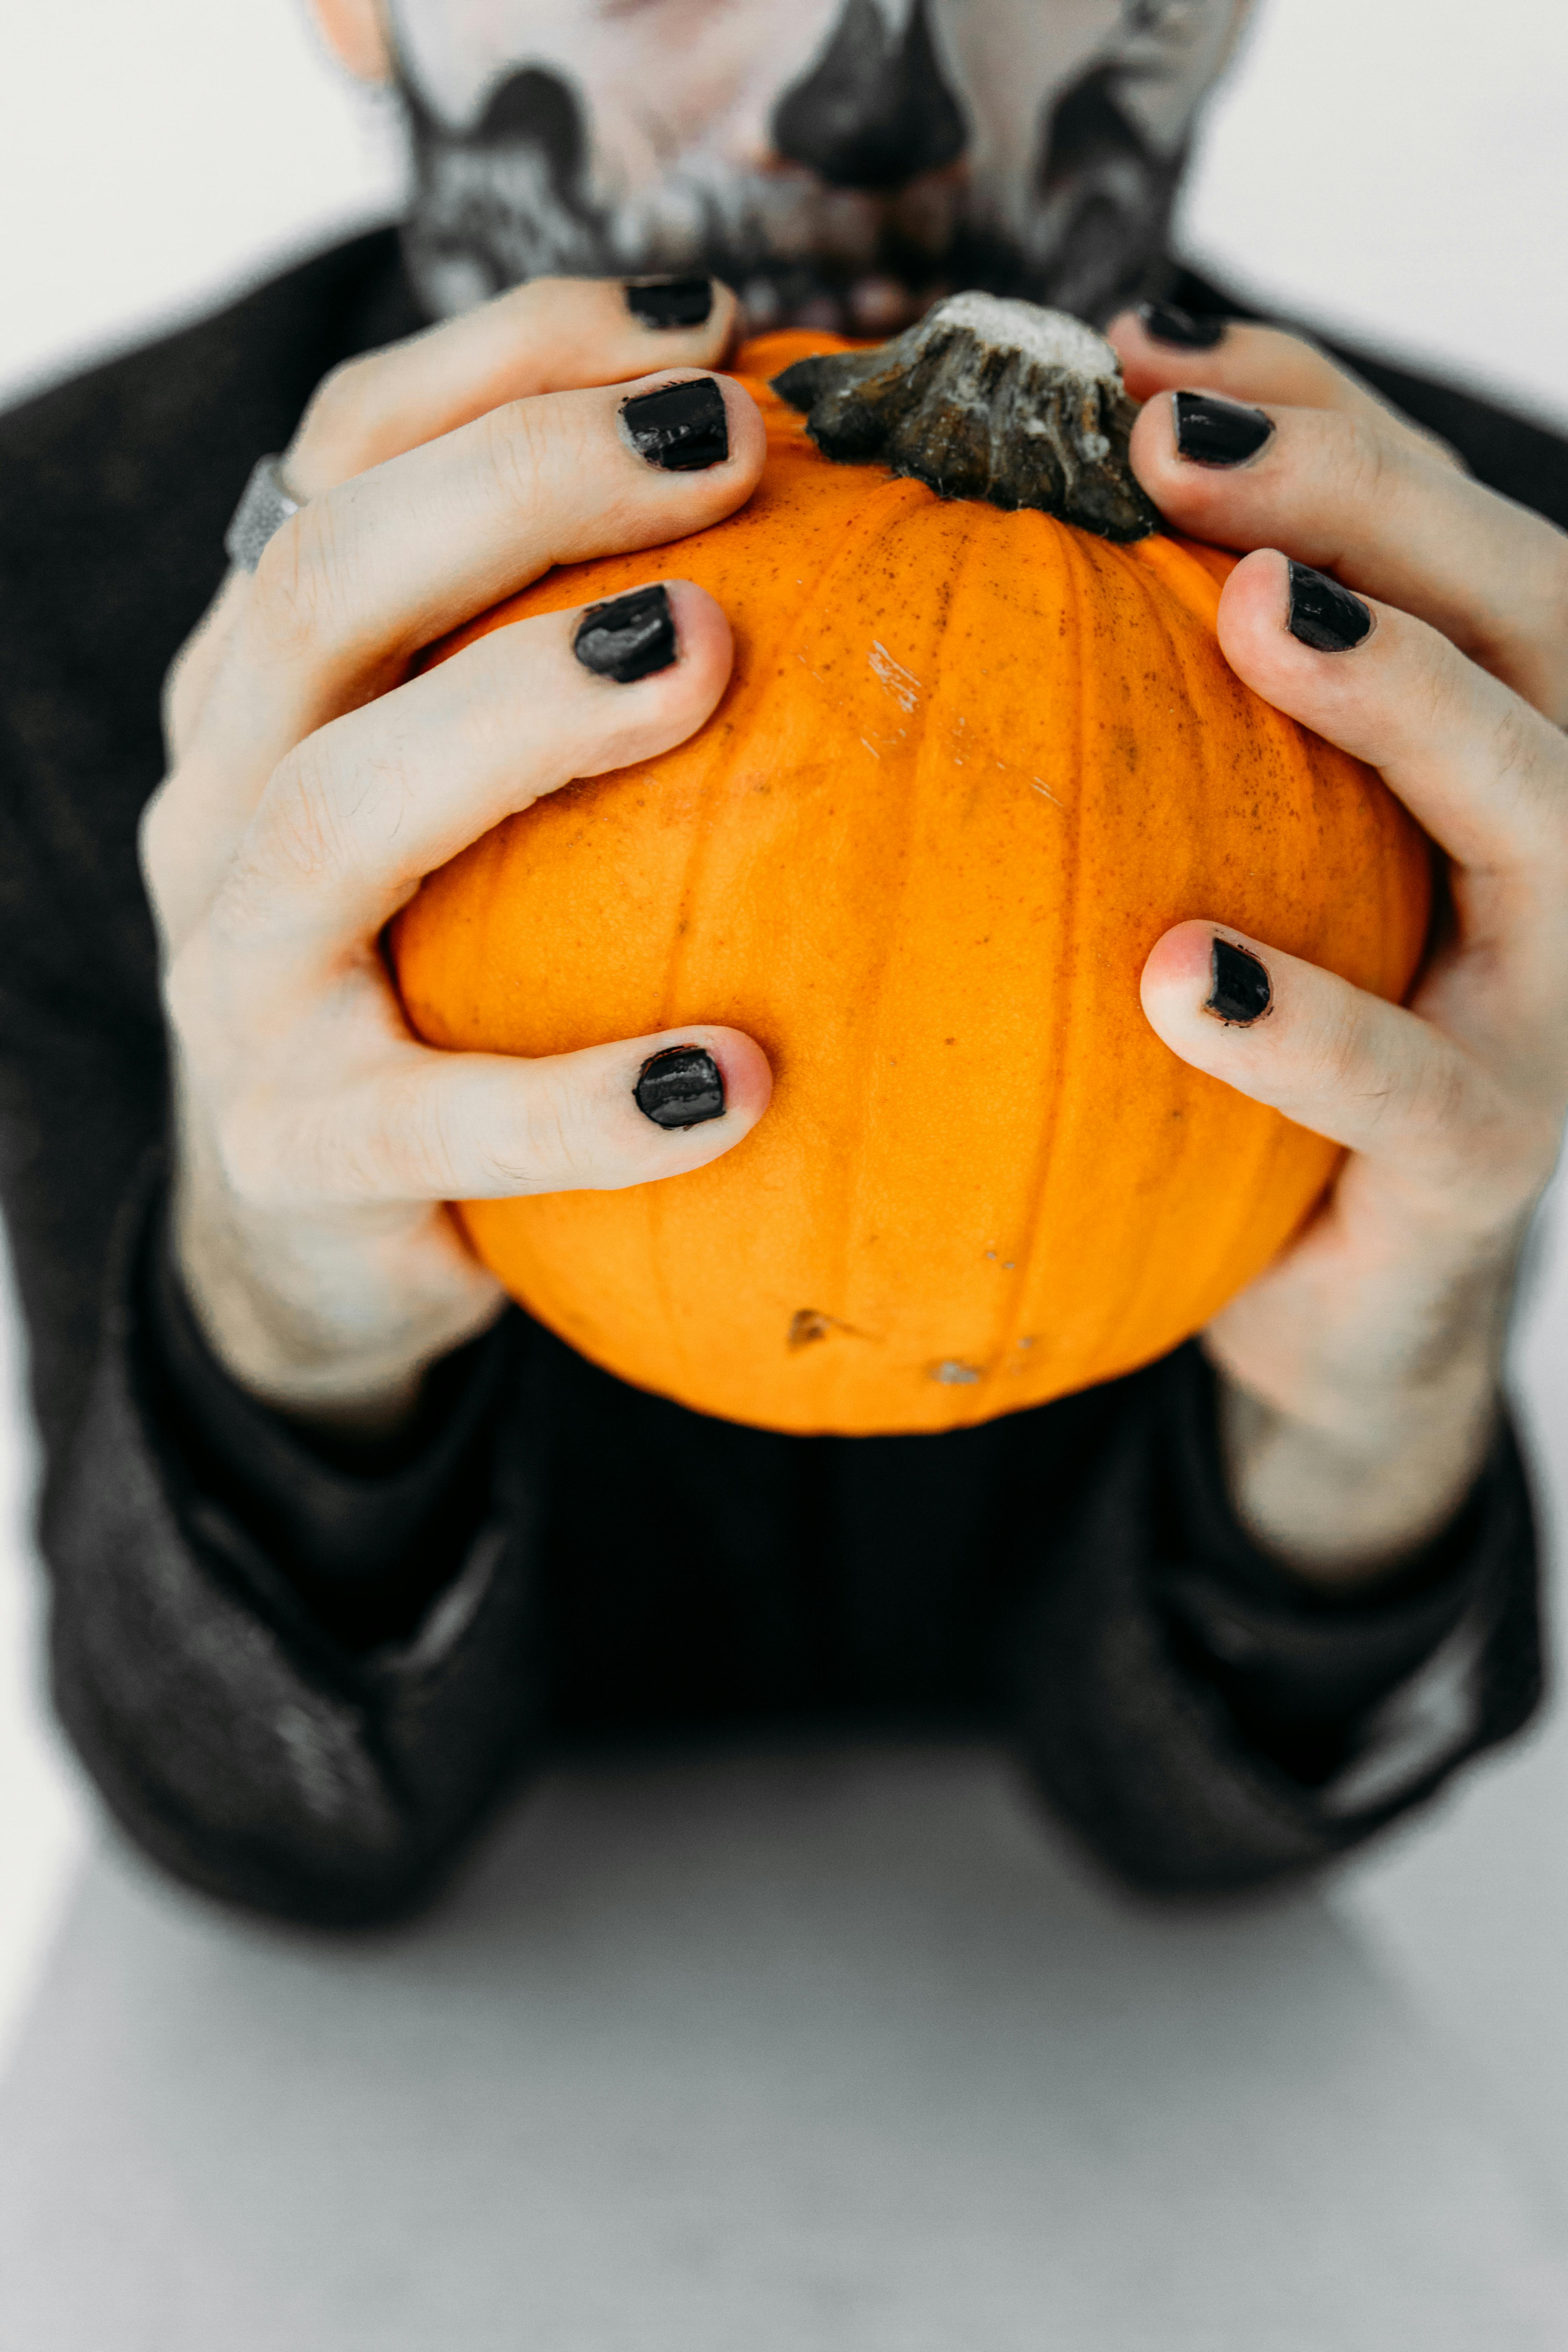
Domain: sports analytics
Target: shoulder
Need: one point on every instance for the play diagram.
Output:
(114, 492)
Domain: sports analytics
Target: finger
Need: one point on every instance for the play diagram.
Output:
(1365, 1073)
(553, 334)
(1257, 364)
(361, 579)
(1345, 492)
(427, 1126)
(367, 806)
(1485, 774)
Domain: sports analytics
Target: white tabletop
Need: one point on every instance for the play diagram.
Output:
(730, 2052)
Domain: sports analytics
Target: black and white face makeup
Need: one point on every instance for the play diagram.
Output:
(842, 163)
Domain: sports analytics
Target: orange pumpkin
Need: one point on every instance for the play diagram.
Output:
(970, 765)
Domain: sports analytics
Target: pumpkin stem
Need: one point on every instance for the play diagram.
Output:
(986, 399)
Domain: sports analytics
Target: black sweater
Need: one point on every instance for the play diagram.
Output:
(299, 1677)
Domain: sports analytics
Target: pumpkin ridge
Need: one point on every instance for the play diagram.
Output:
(894, 941)
(1074, 561)
(888, 503)
(654, 1200)
(736, 705)
(1157, 615)
(1186, 664)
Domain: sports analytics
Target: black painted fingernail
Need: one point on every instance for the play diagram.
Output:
(680, 1088)
(681, 426)
(1215, 432)
(670, 302)
(1167, 322)
(629, 637)
(1324, 614)
(1241, 993)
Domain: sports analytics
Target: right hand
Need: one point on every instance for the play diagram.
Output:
(312, 784)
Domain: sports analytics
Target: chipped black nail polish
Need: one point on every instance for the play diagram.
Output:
(681, 426)
(628, 638)
(1167, 322)
(1324, 614)
(670, 302)
(1215, 432)
(1240, 990)
(681, 1086)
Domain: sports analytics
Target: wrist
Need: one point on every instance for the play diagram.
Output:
(317, 1338)
(1341, 1503)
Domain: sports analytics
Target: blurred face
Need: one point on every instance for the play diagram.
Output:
(841, 162)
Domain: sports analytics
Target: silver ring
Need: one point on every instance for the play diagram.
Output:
(265, 506)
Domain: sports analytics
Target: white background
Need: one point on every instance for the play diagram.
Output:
(1389, 168)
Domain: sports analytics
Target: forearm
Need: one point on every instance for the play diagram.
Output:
(247, 1741)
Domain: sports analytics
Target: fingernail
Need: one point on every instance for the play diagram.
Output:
(682, 1086)
(670, 302)
(629, 637)
(1167, 322)
(1215, 432)
(681, 426)
(1240, 991)
(1324, 614)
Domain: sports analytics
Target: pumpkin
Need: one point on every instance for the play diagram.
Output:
(974, 759)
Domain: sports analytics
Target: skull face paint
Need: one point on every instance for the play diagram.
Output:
(842, 163)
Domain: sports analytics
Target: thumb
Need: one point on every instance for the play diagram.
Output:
(1334, 1059)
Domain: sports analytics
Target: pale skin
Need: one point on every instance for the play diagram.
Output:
(309, 791)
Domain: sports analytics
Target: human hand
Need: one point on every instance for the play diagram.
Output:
(312, 784)
(1360, 1374)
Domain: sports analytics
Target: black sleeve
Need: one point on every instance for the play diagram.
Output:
(238, 1740)
(367, 1534)
(1205, 1719)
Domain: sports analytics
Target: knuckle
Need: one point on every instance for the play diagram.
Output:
(517, 444)
(151, 829)
(1365, 462)
(1528, 784)
(184, 992)
(1554, 619)
(397, 1140)
(1396, 1085)
(302, 585)
(411, 1148)
(547, 1142)
(304, 831)
(328, 444)
(178, 697)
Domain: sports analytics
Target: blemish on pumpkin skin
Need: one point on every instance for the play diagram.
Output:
(808, 1324)
(900, 683)
(953, 1374)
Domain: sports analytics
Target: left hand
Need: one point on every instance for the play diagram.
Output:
(1359, 1375)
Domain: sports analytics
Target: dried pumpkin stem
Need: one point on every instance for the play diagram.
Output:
(986, 399)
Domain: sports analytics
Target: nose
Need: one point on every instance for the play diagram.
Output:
(874, 111)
